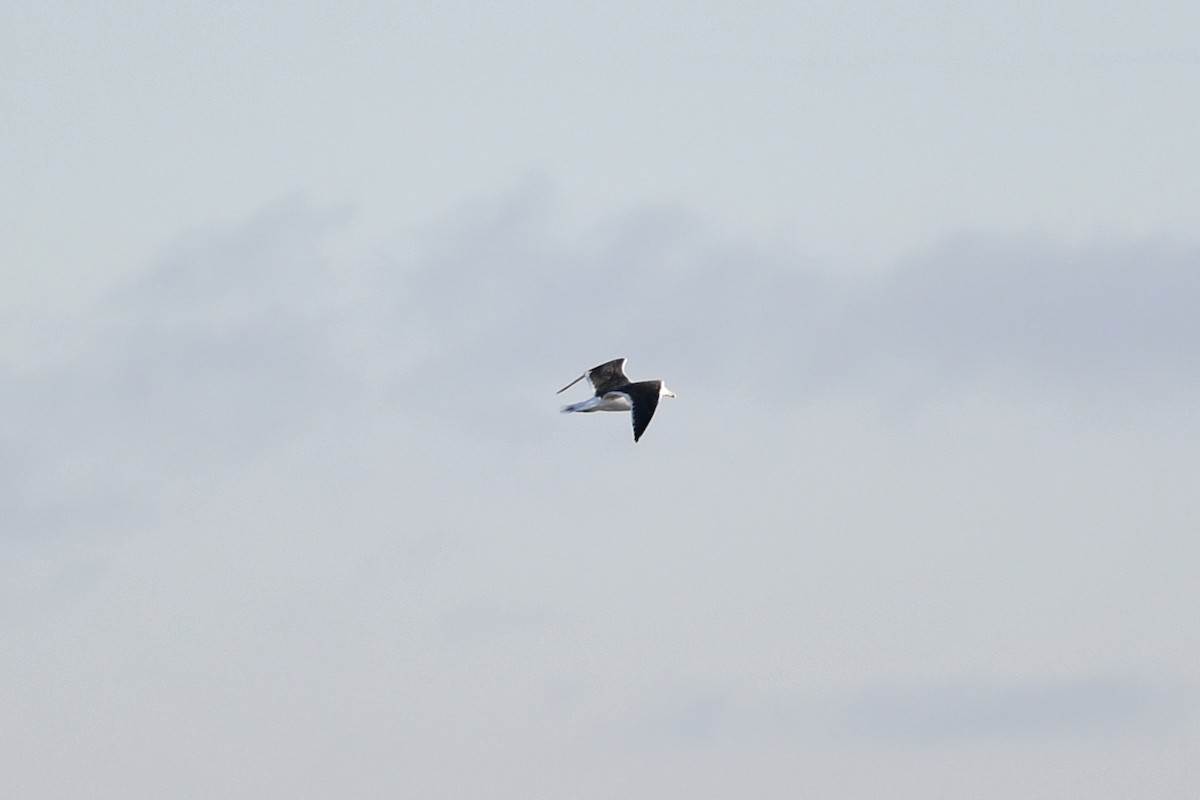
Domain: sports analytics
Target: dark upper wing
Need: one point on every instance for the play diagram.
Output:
(603, 378)
(644, 396)
(608, 376)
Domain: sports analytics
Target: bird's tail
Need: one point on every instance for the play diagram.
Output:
(583, 405)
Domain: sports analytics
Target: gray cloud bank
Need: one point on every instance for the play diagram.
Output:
(234, 336)
(948, 713)
(238, 341)
(290, 524)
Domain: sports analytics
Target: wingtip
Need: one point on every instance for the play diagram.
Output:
(572, 383)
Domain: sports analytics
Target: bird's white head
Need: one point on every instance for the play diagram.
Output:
(663, 391)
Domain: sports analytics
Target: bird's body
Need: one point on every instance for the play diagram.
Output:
(615, 392)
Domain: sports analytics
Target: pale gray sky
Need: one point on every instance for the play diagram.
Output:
(286, 505)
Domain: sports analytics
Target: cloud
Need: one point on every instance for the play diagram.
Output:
(934, 713)
(503, 299)
(1114, 315)
(245, 341)
(234, 338)
(231, 339)
(241, 342)
(963, 712)
(222, 350)
(298, 512)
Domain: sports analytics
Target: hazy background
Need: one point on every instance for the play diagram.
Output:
(286, 506)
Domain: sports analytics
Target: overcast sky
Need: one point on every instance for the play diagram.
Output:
(287, 508)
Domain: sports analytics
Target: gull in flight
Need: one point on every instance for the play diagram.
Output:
(615, 392)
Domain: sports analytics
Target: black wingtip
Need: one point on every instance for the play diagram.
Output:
(572, 383)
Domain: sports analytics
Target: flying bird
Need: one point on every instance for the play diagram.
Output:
(615, 392)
